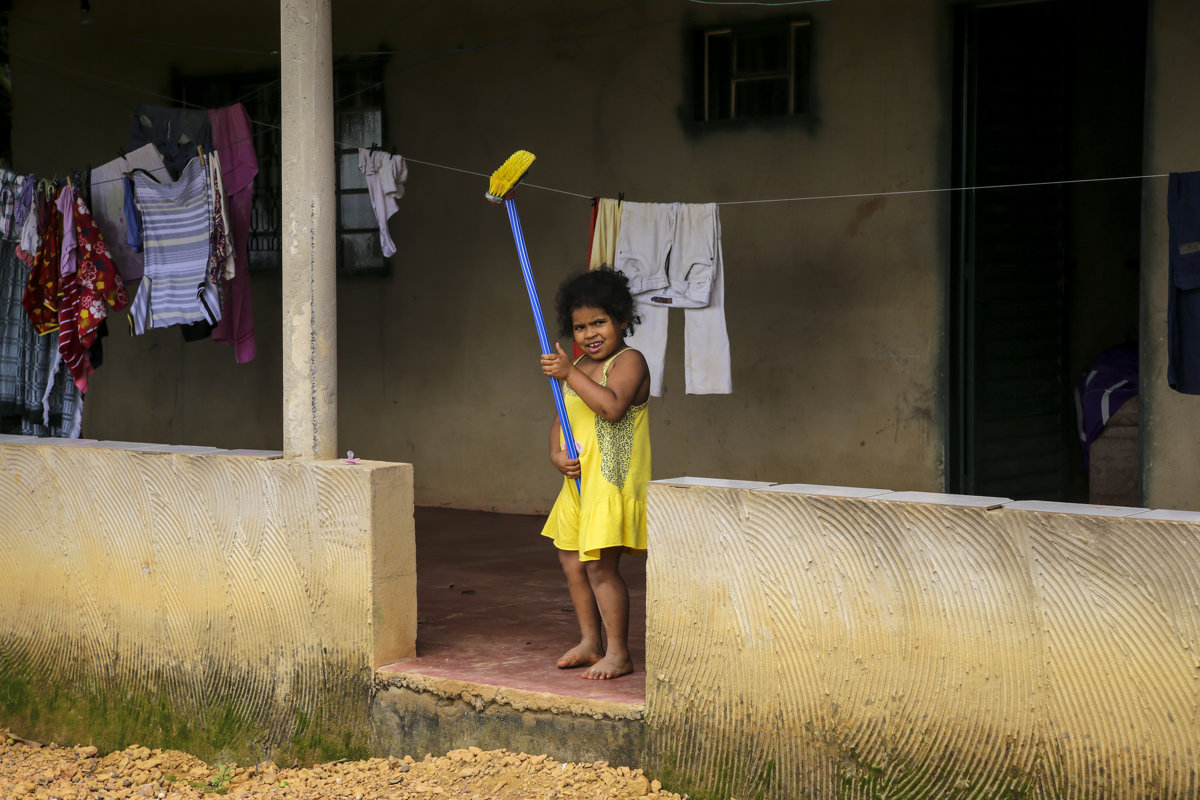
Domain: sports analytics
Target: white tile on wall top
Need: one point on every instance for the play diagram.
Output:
(827, 491)
(1074, 508)
(941, 499)
(714, 483)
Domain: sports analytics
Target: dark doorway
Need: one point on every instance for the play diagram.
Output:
(1043, 277)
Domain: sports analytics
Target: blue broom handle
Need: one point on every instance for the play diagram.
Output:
(543, 339)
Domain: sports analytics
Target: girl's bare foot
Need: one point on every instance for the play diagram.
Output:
(607, 668)
(579, 656)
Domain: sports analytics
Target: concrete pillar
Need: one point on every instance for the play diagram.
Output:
(1170, 433)
(309, 230)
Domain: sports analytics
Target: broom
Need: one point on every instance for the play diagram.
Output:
(501, 190)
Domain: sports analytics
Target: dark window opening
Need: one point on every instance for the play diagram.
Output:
(754, 72)
(358, 122)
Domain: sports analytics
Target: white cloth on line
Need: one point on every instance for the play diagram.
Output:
(668, 251)
(108, 206)
(604, 237)
(695, 235)
(385, 175)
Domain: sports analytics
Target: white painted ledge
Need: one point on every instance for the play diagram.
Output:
(140, 447)
(714, 483)
(940, 499)
(1084, 509)
(826, 491)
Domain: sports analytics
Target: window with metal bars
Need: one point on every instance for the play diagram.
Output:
(358, 122)
(754, 71)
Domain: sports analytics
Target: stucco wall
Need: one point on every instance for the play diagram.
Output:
(1170, 436)
(806, 642)
(834, 307)
(233, 606)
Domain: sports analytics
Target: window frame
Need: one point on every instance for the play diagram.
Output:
(260, 92)
(711, 66)
(358, 91)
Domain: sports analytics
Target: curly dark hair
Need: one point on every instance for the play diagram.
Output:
(599, 288)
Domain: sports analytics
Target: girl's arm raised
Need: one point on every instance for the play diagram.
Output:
(628, 382)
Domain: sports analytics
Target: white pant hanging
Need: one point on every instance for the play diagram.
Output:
(672, 254)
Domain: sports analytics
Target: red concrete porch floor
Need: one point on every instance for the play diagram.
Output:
(493, 608)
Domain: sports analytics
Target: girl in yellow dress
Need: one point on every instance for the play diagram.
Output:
(606, 392)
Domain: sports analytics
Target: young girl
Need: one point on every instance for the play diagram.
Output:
(606, 392)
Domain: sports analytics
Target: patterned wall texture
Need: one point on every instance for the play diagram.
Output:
(228, 605)
(809, 646)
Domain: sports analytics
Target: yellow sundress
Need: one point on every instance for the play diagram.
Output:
(614, 460)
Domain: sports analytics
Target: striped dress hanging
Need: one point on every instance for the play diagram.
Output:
(176, 221)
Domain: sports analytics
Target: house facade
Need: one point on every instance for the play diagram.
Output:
(864, 321)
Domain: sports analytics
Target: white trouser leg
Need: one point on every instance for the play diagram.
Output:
(650, 338)
(706, 364)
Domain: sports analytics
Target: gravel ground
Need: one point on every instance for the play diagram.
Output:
(29, 770)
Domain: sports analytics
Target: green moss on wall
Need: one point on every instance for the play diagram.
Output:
(732, 777)
(114, 717)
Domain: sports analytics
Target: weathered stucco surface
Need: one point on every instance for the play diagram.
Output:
(834, 307)
(802, 645)
(414, 714)
(233, 606)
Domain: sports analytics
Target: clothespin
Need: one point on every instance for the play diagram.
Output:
(620, 197)
(200, 151)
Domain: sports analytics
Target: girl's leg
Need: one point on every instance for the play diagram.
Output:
(590, 648)
(612, 597)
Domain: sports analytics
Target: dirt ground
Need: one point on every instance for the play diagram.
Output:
(30, 770)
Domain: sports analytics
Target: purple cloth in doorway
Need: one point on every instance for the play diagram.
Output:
(1110, 380)
(232, 140)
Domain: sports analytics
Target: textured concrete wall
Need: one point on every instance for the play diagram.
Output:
(810, 645)
(233, 606)
(437, 361)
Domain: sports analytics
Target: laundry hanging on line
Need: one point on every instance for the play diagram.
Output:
(178, 287)
(672, 255)
(59, 278)
(221, 138)
(40, 395)
(385, 175)
(1183, 282)
(114, 211)
(232, 141)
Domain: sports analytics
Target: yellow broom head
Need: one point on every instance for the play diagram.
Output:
(505, 179)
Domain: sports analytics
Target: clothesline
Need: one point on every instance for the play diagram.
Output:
(848, 196)
(944, 189)
(796, 199)
(793, 199)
